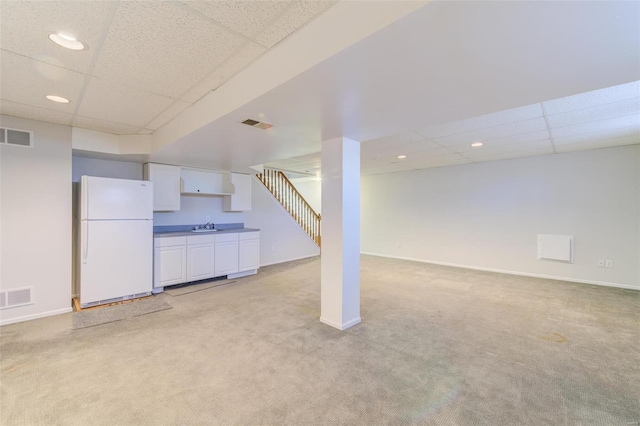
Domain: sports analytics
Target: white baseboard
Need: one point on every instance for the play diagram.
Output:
(289, 260)
(35, 316)
(342, 326)
(503, 271)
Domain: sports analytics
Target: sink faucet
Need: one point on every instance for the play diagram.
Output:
(207, 225)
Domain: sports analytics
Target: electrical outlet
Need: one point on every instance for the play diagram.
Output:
(608, 263)
(207, 218)
(601, 263)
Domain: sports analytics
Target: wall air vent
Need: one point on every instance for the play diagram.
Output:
(258, 124)
(16, 137)
(16, 297)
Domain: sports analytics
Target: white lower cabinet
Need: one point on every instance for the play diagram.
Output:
(200, 257)
(226, 254)
(249, 251)
(169, 262)
(197, 257)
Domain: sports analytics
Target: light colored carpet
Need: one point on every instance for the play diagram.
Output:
(437, 346)
(108, 314)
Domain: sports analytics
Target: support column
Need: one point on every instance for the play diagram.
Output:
(340, 258)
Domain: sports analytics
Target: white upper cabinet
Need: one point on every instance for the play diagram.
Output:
(166, 186)
(240, 200)
(205, 182)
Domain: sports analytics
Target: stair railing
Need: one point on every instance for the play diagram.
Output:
(287, 194)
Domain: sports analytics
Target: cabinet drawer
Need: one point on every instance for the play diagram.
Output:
(249, 235)
(201, 239)
(222, 238)
(169, 241)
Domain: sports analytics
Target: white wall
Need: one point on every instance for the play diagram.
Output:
(36, 219)
(281, 239)
(194, 210)
(311, 190)
(487, 215)
(105, 168)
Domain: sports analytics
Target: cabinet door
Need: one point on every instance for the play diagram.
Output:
(172, 265)
(166, 186)
(249, 255)
(241, 198)
(200, 261)
(226, 258)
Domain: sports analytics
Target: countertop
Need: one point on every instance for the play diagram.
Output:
(190, 233)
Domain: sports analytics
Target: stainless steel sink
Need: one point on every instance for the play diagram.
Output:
(203, 230)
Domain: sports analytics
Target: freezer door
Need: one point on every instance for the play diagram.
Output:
(116, 259)
(108, 199)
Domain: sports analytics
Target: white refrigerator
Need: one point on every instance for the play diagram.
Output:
(115, 239)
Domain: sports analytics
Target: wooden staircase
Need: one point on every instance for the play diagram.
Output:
(287, 194)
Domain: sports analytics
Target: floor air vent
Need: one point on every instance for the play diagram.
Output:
(16, 137)
(16, 297)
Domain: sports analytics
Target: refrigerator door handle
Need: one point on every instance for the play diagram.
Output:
(85, 240)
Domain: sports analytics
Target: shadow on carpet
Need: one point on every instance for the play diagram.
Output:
(93, 317)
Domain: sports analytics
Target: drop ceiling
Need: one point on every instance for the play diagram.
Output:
(146, 61)
(598, 119)
(525, 78)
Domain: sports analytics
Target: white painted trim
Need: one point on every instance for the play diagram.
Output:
(342, 326)
(503, 271)
(35, 316)
(289, 260)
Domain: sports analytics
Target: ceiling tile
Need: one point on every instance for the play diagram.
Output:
(615, 126)
(104, 126)
(119, 104)
(495, 132)
(167, 115)
(232, 66)
(34, 113)
(25, 27)
(600, 137)
(295, 17)
(398, 139)
(515, 154)
(488, 120)
(142, 29)
(28, 81)
(488, 150)
(594, 98)
(599, 112)
(516, 139)
(386, 168)
(244, 17)
(631, 139)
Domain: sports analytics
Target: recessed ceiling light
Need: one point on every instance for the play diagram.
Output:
(477, 144)
(58, 99)
(402, 157)
(67, 41)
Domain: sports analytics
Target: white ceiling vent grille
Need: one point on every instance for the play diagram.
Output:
(16, 137)
(16, 297)
(258, 124)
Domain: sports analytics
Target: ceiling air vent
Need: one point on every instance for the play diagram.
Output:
(258, 124)
(16, 137)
